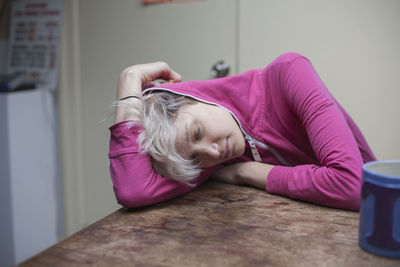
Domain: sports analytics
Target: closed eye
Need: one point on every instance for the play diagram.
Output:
(197, 135)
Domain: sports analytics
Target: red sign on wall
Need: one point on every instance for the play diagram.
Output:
(163, 1)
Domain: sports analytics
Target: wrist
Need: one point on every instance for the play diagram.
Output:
(128, 108)
(126, 113)
(253, 173)
(128, 85)
(240, 173)
(129, 97)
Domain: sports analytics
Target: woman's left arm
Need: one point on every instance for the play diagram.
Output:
(336, 180)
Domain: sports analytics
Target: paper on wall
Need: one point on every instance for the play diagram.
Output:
(34, 40)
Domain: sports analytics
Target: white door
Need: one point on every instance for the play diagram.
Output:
(102, 37)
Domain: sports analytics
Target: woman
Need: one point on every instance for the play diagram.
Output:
(276, 128)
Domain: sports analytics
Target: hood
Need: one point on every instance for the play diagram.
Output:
(240, 94)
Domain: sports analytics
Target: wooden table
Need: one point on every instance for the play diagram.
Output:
(217, 225)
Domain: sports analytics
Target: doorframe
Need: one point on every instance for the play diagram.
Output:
(70, 120)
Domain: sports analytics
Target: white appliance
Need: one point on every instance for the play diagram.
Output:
(30, 183)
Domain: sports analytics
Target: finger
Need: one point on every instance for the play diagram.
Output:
(164, 71)
(175, 77)
(152, 71)
(170, 75)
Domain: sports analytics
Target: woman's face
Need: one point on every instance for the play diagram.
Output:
(208, 133)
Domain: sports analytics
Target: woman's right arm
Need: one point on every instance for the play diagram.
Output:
(135, 182)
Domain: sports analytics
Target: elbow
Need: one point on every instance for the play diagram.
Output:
(352, 199)
(350, 194)
(130, 198)
(126, 200)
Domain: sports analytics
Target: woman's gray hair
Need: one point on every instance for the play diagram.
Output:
(159, 111)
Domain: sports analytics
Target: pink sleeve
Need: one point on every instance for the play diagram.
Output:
(336, 180)
(134, 180)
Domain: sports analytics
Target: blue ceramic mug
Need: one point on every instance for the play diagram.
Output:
(380, 208)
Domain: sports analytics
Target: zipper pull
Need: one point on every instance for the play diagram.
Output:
(254, 150)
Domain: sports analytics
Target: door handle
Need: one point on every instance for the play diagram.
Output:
(220, 69)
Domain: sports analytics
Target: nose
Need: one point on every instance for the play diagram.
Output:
(210, 150)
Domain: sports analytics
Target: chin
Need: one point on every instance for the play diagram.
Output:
(242, 151)
(238, 153)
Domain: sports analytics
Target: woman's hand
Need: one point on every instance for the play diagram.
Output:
(228, 174)
(133, 79)
(250, 173)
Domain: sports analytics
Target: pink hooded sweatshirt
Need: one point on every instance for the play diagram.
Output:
(289, 120)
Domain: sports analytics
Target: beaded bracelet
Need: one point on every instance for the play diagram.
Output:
(131, 96)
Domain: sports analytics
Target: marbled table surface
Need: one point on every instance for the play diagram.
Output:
(217, 225)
